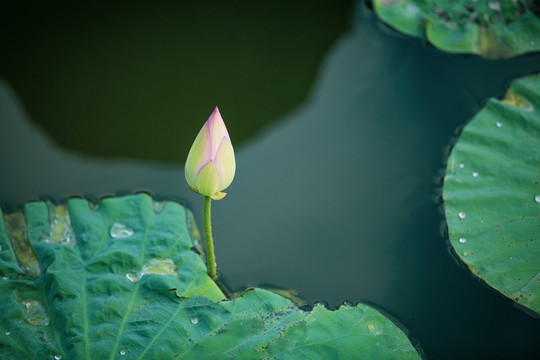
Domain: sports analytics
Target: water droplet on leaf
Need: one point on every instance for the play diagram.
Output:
(495, 5)
(499, 124)
(35, 313)
(58, 357)
(122, 352)
(157, 206)
(8, 333)
(537, 198)
(60, 230)
(119, 230)
(475, 174)
(134, 278)
(194, 320)
(462, 240)
(462, 215)
(154, 266)
(159, 267)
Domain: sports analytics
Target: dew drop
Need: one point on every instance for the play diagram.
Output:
(122, 352)
(159, 267)
(462, 240)
(462, 215)
(462, 165)
(58, 357)
(371, 327)
(475, 174)
(94, 206)
(134, 278)
(8, 333)
(157, 206)
(35, 313)
(194, 320)
(499, 124)
(537, 198)
(495, 5)
(119, 230)
(156, 267)
(412, 9)
(60, 229)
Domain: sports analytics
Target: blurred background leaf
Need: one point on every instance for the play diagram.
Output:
(493, 29)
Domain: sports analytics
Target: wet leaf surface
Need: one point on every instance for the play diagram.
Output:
(128, 285)
(492, 193)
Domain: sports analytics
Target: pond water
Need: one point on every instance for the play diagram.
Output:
(337, 194)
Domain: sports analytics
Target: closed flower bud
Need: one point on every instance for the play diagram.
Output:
(210, 164)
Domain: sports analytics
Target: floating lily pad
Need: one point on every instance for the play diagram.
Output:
(121, 280)
(493, 29)
(492, 193)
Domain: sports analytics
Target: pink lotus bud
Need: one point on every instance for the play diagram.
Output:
(210, 164)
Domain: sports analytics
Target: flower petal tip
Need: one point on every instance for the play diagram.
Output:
(215, 112)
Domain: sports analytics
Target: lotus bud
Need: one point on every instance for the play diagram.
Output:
(210, 164)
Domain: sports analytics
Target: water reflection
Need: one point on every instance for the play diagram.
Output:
(336, 200)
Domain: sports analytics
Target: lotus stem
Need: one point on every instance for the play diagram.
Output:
(208, 242)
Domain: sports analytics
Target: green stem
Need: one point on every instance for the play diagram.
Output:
(208, 242)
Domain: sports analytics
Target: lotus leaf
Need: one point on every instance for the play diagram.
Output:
(492, 193)
(122, 279)
(493, 29)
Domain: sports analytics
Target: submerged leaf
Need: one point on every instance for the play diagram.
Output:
(131, 287)
(492, 193)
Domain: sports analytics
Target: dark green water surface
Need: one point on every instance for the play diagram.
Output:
(341, 127)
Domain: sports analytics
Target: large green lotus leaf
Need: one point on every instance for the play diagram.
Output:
(492, 193)
(120, 279)
(493, 29)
